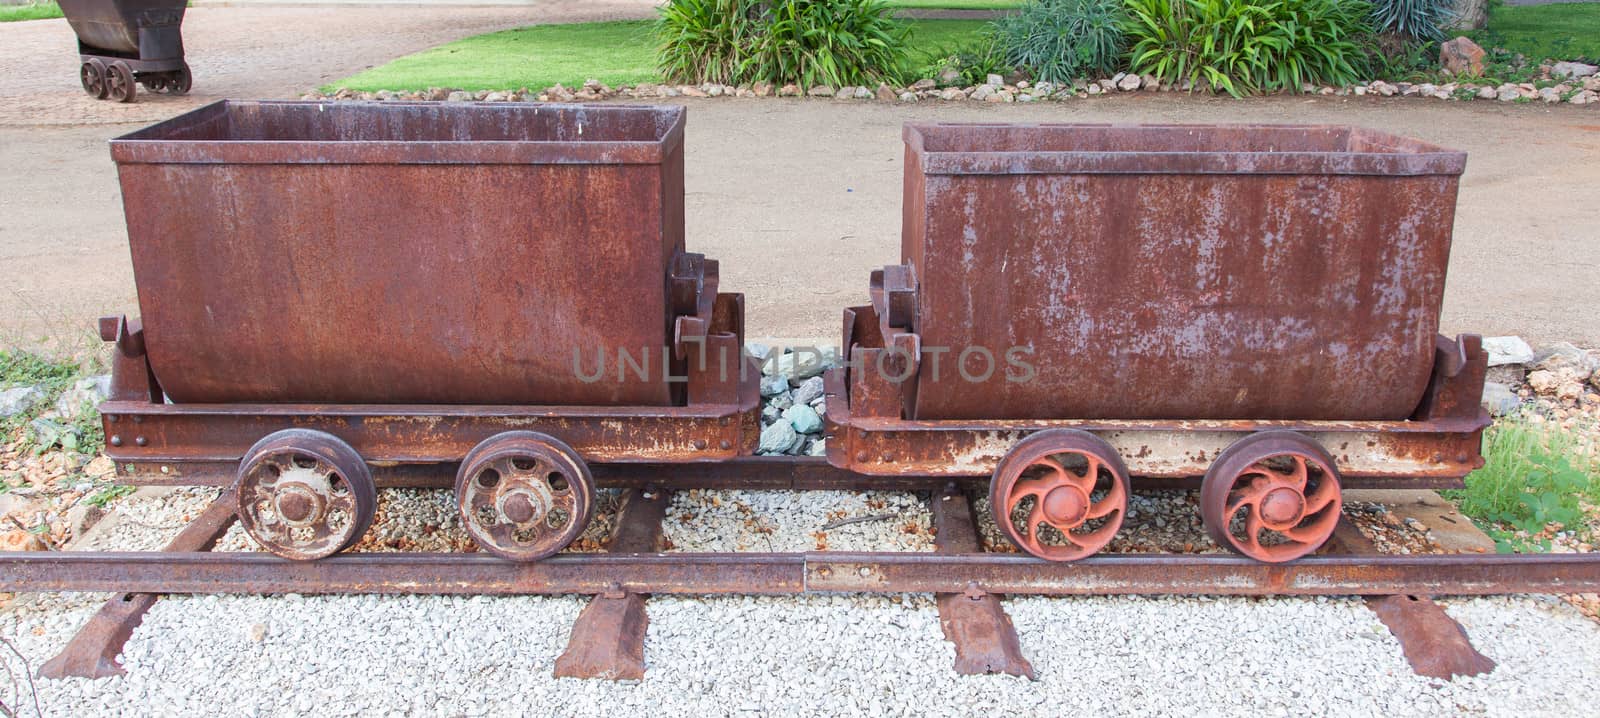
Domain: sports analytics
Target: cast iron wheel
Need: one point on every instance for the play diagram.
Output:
(155, 82)
(305, 494)
(93, 76)
(1273, 496)
(120, 86)
(524, 495)
(179, 81)
(1060, 494)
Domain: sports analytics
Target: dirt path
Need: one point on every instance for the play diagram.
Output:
(801, 199)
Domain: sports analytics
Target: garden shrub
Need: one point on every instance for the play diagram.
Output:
(1060, 40)
(1416, 19)
(1240, 46)
(809, 42)
(703, 40)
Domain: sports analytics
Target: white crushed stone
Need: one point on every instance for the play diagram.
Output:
(803, 656)
(701, 520)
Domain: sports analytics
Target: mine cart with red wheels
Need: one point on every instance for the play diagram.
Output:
(334, 291)
(1080, 306)
(125, 43)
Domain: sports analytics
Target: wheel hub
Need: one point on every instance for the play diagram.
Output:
(1282, 507)
(298, 503)
(522, 505)
(1065, 506)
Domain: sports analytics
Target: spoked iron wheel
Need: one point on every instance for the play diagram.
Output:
(156, 83)
(1272, 496)
(305, 494)
(93, 76)
(120, 86)
(524, 495)
(1060, 494)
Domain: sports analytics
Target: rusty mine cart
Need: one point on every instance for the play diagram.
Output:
(125, 43)
(337, 297)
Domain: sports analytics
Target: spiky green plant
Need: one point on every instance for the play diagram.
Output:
(1416, 19)
(1241, 46)
(1060, 40)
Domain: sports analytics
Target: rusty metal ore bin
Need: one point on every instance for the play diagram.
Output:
(408, 252)
(1174, 272)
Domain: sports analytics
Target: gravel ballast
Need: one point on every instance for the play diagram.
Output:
(810, 655)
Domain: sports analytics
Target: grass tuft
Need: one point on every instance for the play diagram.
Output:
(1533, 477)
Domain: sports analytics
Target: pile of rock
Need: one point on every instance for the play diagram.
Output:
(1559, 381)
(792, 399)
(1568, 82)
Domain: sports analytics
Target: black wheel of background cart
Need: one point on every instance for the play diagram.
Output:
(120, 86)
(93, 76)
(179, 81)
(154, 82)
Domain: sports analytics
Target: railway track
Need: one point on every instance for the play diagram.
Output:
(969, 585)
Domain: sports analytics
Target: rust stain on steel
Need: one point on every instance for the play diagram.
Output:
(408, 252)
(1434, 643)
(93, 650)
(1437, 445)
(973, 621)
(607, 641)
(1167, 272)
(141, 431)
(776, 574)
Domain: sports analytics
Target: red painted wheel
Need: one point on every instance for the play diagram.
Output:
(305, 494)
(524, 495)
(1273, 496)
(1060, 494)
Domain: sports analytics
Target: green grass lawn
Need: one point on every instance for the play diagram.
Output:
(616, 53)
(1566, 31)
(31, 11)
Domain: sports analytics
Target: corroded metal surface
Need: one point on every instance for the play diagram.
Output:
(775, 574)
(607, 640)
(973, 621)
(1175, 272)
(1060, 494)
(304, 494)
(1434, 644)
(412, 252)
(141, 431)
(1273, 496)
(523, 495)
(1437, 445)
(127, 28)
(93, 650)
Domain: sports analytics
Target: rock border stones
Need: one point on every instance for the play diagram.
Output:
(1564, 83)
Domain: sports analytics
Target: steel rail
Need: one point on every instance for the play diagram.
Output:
(793, 573)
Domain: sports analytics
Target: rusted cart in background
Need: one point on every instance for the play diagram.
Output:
(1082, 304)
(125, 43)
(416, 287)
